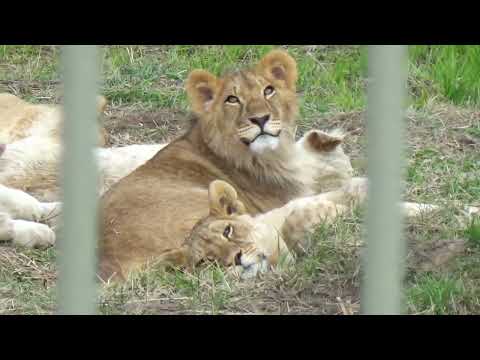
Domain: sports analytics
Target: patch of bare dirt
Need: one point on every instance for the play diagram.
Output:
(319, 296)
(436, 255)
(127, 126)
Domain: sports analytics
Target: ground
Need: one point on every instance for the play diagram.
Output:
(148, 104)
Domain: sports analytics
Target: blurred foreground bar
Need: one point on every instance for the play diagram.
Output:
(383, 263)
(77, 243)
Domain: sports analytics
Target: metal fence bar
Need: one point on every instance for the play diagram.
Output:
(77, 243)
(383, 276)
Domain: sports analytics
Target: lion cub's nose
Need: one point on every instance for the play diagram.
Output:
(238, 258)
(260, 120)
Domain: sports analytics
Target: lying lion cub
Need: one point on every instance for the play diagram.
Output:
(20, 119)
(22, 212)
(30, 152)
(30, 138)
(258, 241)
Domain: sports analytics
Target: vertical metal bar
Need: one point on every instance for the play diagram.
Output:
(383, 276)
(77, 243)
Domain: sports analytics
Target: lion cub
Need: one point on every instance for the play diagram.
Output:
(30, 148)
(30, 144)
(20, 119)
(230, 236)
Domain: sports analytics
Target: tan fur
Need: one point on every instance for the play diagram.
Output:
(32, 165)
(30, 150)
(256, 241)
(152, 210)
(30, 140)
(20, 119)
(29, 168)
(281, 232)
(30, 145)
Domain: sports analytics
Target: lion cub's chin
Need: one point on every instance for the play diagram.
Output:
(264, 142)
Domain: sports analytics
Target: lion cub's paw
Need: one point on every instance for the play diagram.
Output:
(31, 234)
(51, 214)
(6, 227)
(19, 205)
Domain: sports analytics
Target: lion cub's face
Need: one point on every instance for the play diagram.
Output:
(226, 234)
(248, 110)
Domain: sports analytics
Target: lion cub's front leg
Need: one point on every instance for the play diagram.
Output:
(22, 206)
(19, 205)
(307, 214)
(290, 225)
(19, 216)
(355, 192)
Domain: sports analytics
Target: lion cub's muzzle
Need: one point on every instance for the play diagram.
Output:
(249, 264)
(260, 127)
(246, 264)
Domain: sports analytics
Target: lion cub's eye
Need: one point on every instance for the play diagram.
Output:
(228, 231)
(269, 91)
(232, 99)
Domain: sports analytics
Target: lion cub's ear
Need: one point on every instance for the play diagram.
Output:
(202, 88)
(224, 200)
(319, 141)
(279, 65)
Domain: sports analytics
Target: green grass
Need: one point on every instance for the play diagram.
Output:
(473, 233)
(441, 168)
(331, 79)
(452, 71)
(133, 75)
(435, 294)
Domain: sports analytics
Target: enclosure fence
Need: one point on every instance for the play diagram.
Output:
(381, 291)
